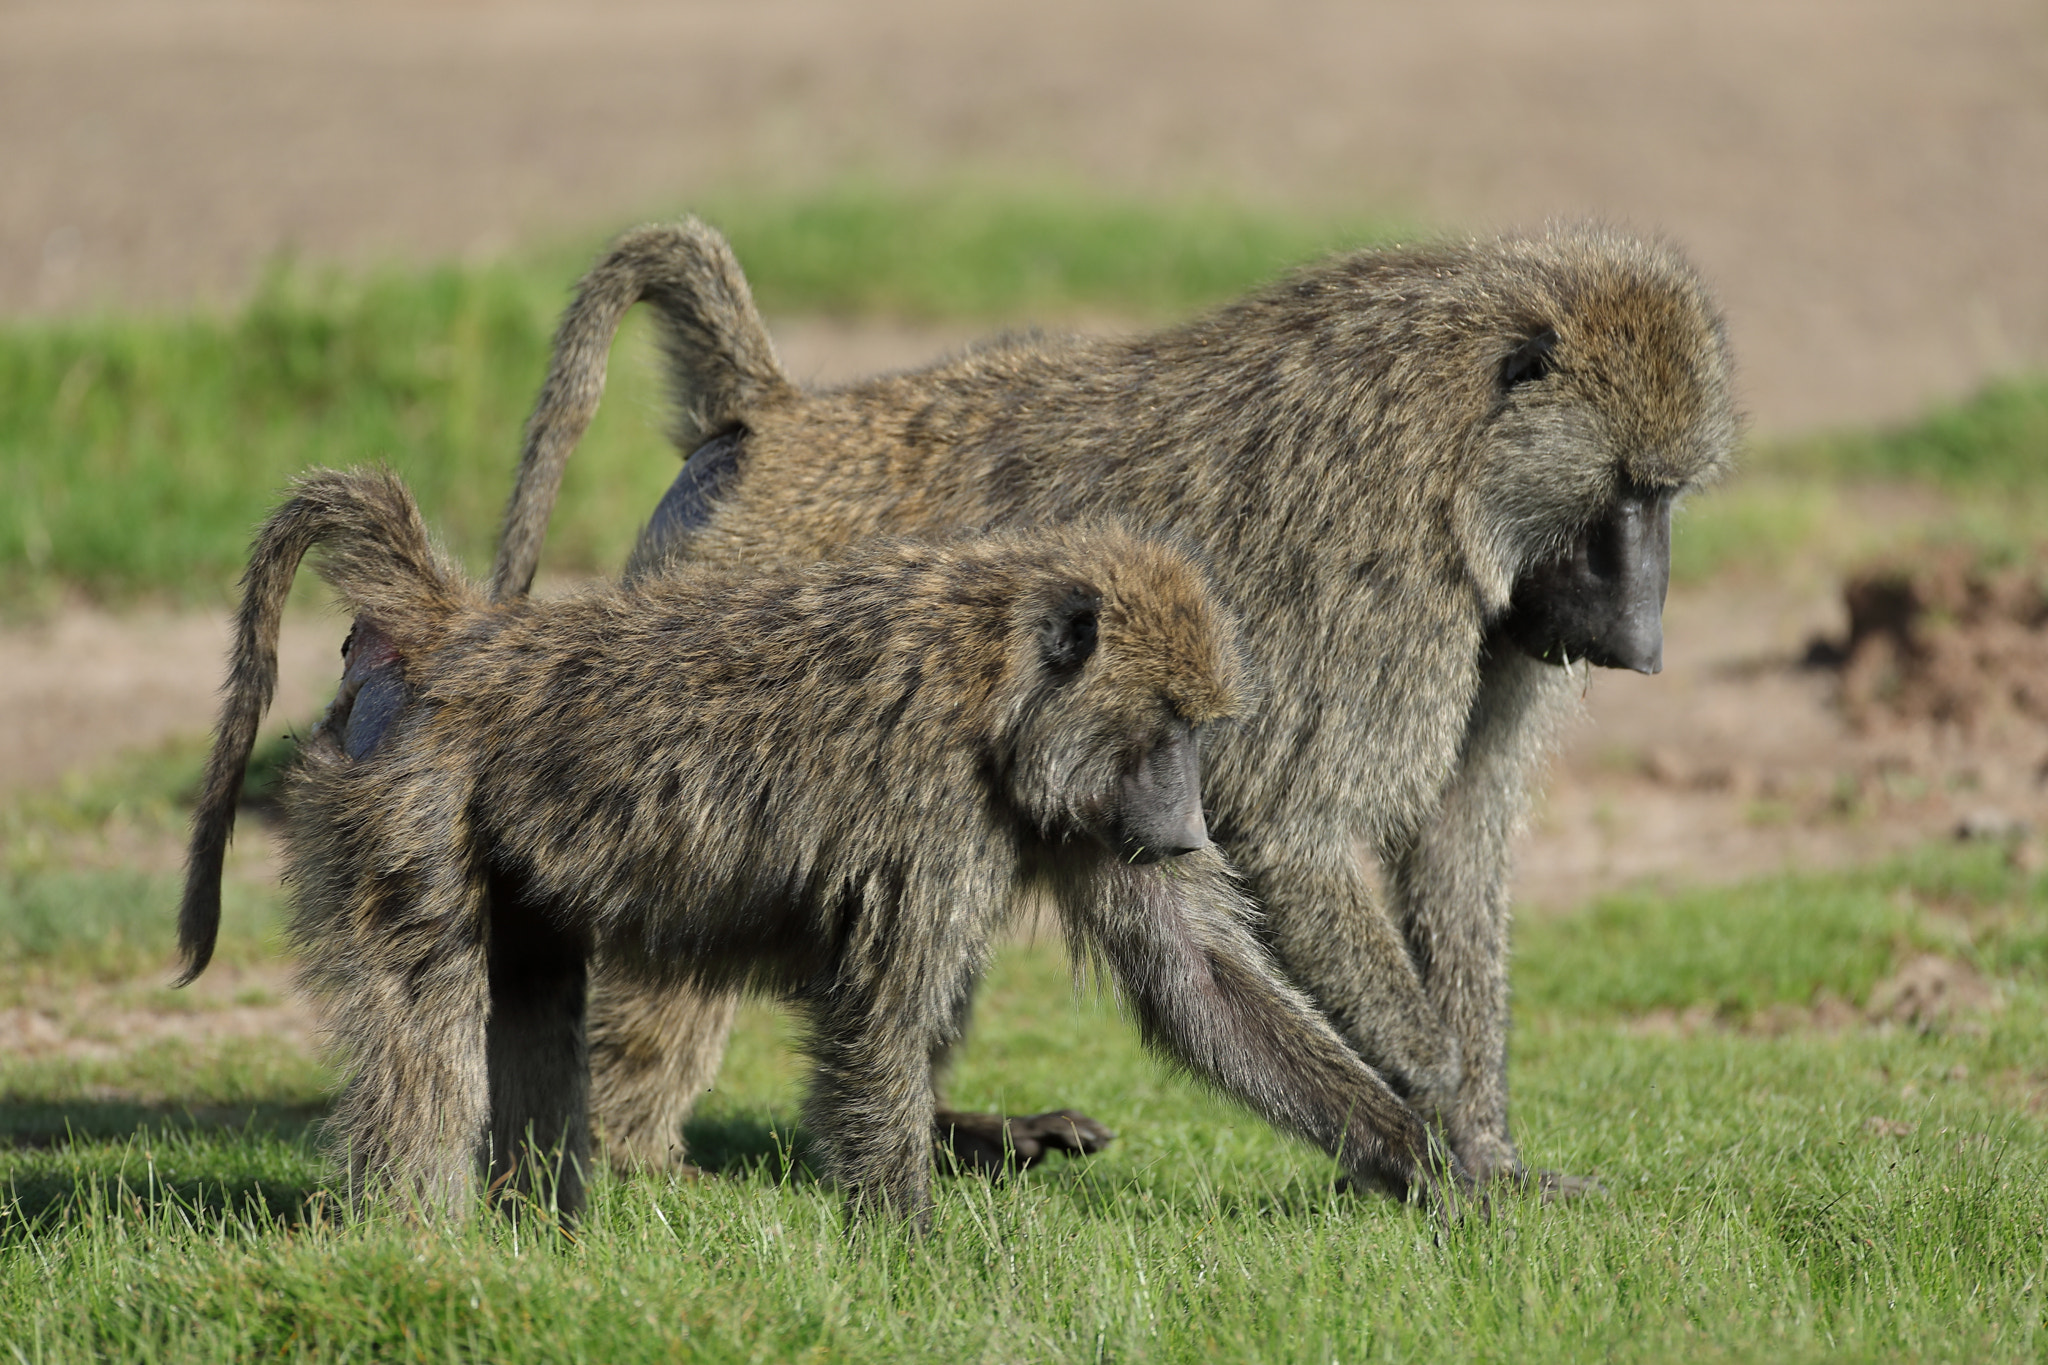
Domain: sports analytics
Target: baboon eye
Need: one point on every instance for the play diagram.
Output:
(1070, 633)
(1530, 360)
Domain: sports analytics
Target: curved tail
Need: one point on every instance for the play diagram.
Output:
(377, 556)
(721, 363)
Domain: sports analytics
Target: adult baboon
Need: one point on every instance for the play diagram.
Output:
(830, 782)
(1424, 477)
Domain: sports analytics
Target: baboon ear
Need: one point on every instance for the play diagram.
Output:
(1069, 635)
(1529, 360)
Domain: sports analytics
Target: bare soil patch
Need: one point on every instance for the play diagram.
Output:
(100, 1020)
(84, 684)
(1928, 993)
(1744, 758)
(1865, 180)
(1946, 640)
(1740, 759)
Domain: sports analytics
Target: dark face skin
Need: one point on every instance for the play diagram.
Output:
(1159, 801)
(1602, 601)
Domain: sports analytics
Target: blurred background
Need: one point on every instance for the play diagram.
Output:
(238, 238)
(1865, 180)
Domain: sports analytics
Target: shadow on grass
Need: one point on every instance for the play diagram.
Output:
(748, 1146)
(57, 1123)
(98, 1161)
(87, 1161)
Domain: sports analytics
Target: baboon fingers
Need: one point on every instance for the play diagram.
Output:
(990, 1144)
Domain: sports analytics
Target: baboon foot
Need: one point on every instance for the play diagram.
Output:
(1499, 1164)
(1555, 1186)
(992, 1144)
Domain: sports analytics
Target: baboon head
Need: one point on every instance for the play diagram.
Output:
(1124, 666)
(1608, 399)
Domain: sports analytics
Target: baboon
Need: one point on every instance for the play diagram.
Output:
(830, 782)
(1431, 480)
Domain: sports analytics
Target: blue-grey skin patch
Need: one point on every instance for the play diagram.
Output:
(688, 502)
(372, 694)
(378, 703)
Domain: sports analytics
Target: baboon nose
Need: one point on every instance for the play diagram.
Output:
(1169, 841)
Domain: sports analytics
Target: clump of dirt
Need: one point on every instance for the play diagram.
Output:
(1928, 992)
(1945, 638)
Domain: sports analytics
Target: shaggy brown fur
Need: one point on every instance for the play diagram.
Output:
(1395, 462)
(830, 782)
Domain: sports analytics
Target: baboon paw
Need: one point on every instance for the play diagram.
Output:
(1451, 1197)
(1063, 1130)
(990, 1144)
(1441, 1186)
(1555, 1186)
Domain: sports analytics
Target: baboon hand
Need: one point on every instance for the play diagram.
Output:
(1441, 1185)
(992, 1144)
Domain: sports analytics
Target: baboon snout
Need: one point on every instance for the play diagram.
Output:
(1604, 600)
(1159, 801)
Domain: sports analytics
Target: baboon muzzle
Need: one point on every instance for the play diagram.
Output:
(1603, 601)
(1159, 801)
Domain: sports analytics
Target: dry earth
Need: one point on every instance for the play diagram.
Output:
(1866, 181)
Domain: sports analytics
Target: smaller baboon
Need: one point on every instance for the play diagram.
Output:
(830, 781)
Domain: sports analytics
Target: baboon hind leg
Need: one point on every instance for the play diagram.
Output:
(408, 1009)
(538, 1062)
(654, 1050)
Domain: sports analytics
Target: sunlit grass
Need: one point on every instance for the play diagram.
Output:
(1868, 1193)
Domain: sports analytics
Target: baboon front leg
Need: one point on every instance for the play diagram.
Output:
(654, 1050)
(1335, 941)
(870, 1105)
(1452, 889)
(539, 1146)
(1205, 994)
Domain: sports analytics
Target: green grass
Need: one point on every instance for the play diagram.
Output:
(1753, 1213)
(1997, 439)
(138, 454)
(1005, 256)
(1969, 472)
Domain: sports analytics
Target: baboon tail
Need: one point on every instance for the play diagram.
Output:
(721, 364)
(377, 555)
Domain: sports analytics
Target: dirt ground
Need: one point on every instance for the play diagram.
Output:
(1865, 181)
